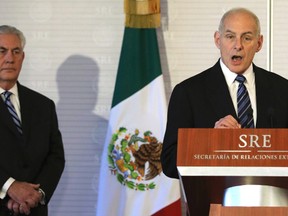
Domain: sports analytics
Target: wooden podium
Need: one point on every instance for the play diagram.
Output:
(219, 210)
(212, 160)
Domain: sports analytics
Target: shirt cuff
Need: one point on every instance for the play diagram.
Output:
(5, 187)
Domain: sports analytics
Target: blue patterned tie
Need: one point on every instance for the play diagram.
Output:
(12, 110)
(245, 111)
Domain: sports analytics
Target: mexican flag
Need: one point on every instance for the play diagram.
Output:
(131, 179)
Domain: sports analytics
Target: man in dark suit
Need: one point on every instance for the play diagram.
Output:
(32, 158)
(209, 99)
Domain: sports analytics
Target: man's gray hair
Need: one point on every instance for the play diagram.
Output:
(6, 29)
(239, 10)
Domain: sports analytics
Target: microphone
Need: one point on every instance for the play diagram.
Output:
(270, 112)
(250, 112)
(250, 115)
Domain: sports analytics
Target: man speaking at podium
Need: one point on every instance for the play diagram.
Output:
(234, 93)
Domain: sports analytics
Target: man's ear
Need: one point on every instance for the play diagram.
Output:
(260, 43)
(217, 39)
(23, 56)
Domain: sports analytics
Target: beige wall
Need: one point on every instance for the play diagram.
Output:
(72, 55)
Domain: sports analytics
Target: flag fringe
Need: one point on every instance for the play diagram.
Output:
(144, 21)
(142, 13)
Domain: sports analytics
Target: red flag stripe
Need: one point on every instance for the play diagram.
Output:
(174, 209)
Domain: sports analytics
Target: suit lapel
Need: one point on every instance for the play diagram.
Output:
(264, 98)
(25, 109)
(219, 93)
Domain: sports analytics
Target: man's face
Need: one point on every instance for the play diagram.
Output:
(11, 59)
(238, 42)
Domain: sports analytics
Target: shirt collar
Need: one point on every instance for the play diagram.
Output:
(14, 90)
(230, 76)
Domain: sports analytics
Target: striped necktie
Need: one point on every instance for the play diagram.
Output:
(245, 111)
(12, 110)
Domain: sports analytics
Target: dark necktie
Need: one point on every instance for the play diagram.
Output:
(245, 111)
(12, 110)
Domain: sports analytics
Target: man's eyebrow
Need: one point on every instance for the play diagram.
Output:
(248, 32)
(229, 31)
(5, 48)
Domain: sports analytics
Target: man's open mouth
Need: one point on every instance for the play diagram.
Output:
(236, 58)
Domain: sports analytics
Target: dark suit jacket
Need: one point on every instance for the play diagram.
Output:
(201, 100)
(38, 155)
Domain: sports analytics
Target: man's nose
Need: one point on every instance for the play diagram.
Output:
(238, 44)
(9, 56)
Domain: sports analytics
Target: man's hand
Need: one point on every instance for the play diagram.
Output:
(16, 208)
(24, 196)
(227, 122)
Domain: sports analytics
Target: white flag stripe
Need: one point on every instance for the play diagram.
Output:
(145, 110)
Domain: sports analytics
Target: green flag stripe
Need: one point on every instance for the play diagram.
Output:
(139, 62)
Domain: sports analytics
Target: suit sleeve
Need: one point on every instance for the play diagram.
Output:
(53, 165)
(179, 116)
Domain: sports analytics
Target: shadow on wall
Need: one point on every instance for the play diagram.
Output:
(83, 135)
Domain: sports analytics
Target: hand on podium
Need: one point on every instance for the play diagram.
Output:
(227, 122)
